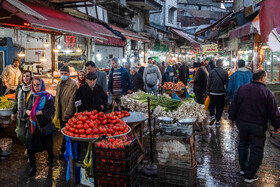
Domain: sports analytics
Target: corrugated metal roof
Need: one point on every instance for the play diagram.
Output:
(25, 9)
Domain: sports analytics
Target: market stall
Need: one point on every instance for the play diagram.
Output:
(111, 146)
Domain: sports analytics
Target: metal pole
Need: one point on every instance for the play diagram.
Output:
(271, 67)
(53, 68)
(150, 128)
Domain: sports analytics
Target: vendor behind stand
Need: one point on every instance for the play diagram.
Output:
(64, 101)
(90, 96)
(11, 77)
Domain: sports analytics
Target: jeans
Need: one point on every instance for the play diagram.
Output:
(216, 107)
(251, 136)
(152, 90)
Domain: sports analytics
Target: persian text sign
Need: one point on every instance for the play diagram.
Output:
(210, 48)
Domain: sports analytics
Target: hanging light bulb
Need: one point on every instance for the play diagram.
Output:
(46, 44)
(78, 50)
(43, 58)
(21, 54)
(56, 50)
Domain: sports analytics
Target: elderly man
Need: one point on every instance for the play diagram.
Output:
(90, 96)
(64, 100)
(11, 77)
(252, 106)
(101, 76)
(136, 80)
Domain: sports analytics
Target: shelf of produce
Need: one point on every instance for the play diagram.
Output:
(136, 122)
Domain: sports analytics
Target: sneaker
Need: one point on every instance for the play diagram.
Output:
(241, 172)
(247, 180)
(217, 124)
(212, 120)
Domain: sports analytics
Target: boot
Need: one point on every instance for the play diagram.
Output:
(32, 171)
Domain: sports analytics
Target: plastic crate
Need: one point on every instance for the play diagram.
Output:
(177, 175)
(116, 164)
(107, 178)
(125, 153)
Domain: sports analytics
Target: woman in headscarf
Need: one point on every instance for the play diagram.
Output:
(211, 65)
(40, 109)
(81, 79)
(22, 96)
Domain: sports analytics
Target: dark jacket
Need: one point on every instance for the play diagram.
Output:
(141, 70)
(166, 77)
(184, 73)
(38, 141)
(126, 83)
(137, 82)
(218, 79)
(254, 103)
(200, 81)
(240, 77)
(90, 99)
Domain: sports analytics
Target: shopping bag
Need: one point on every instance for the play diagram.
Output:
(56, 123)
(206, 103)
(88, 161)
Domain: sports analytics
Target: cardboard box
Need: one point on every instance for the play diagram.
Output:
(86, 181)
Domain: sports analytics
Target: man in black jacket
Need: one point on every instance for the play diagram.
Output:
(184, 73)
(218, 79)
(136, 80)
(90, 96)
(251, 108)
(199, 82)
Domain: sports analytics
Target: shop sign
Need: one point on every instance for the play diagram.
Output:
(210, 48)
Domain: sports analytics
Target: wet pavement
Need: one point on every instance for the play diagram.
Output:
(217, 163)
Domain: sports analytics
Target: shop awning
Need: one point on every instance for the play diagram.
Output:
(112, 42)
(129, 34)
(269, 18)
(54, 20)
(214, 24)
(243, 30)
(186, 36)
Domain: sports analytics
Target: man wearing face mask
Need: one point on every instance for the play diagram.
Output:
(11, 77)
(64, 101)
(90, 96)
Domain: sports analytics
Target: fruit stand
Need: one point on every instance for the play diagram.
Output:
(95, 128)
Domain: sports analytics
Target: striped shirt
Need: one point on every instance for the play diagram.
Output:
(117, 81)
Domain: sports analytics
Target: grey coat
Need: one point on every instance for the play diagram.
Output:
(102, 80)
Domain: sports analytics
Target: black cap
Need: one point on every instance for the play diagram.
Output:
(65, 68)
(196, 64)
(91, 76)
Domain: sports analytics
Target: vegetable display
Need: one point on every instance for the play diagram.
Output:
(5, 103)
(164, 106)
(177, 86)
(93, 124)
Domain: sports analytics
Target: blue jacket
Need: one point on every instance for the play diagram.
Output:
(126, 83)
(240, 77)
(166, 75)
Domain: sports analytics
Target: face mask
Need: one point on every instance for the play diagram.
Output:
(64, 77)
(150, 64)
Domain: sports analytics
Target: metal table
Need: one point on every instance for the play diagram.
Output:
(136, 122)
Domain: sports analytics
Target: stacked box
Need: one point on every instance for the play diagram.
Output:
(116, 167)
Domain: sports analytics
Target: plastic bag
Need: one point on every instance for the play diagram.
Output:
(88, 161)
(56, 123)
(206, 103)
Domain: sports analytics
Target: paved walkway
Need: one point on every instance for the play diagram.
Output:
(217, 159)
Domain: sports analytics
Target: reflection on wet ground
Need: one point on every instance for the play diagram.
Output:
(217, 159)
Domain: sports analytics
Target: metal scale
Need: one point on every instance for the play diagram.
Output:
(181, 127)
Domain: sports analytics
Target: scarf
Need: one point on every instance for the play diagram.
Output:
(22, 97)
(81, 82)
(40, 101)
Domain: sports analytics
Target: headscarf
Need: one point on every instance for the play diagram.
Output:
(41, 97)
(81, 82)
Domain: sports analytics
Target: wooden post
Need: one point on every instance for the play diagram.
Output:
(53, 68)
